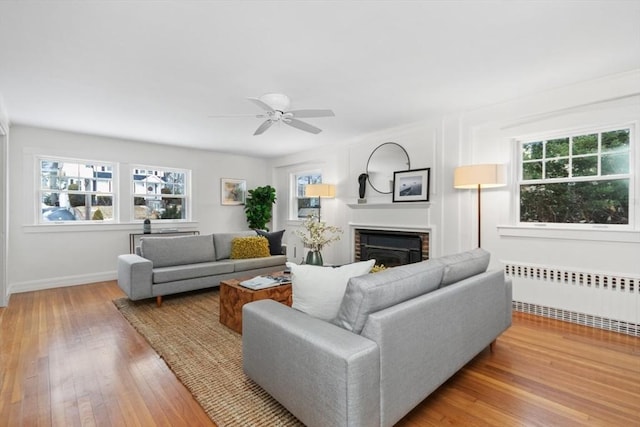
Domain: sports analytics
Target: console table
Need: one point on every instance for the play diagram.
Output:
(135, 237)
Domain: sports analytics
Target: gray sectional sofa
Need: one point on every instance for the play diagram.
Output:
(169, 265)
(399, 334)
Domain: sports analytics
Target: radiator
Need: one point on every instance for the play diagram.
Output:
(600, 300)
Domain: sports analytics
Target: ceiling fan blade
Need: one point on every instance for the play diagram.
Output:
(260, 103)
(264, 126)
(312, 113)
(299, 124)
(233, 116)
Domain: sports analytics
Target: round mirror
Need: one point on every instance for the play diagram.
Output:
(386, 159)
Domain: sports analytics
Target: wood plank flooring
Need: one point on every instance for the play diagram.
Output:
(68, 358)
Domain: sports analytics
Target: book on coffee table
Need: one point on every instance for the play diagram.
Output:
(262, 282)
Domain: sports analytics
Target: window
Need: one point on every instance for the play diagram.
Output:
(581, 178)
(305, 206)
(75, 190)
(159, 193)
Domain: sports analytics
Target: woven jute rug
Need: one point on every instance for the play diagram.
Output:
(206, 357)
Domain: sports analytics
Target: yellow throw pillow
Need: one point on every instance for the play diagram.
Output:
(249, 247)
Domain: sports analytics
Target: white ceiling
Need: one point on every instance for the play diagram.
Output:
(157, 70)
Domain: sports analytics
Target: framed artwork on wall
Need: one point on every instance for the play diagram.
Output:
(411, 185)
(233, 191)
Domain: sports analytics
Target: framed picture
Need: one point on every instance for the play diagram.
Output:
(233, 191)
(411, 185)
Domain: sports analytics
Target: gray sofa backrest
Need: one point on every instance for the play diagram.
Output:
(223, 242)
(373, 292)
(169, 251)
(464, 264)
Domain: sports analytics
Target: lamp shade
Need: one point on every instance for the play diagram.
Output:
(485, 175)
(320, 190)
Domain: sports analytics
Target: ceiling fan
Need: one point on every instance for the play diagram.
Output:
(276, 109)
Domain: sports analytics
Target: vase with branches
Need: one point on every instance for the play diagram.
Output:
(315, 235)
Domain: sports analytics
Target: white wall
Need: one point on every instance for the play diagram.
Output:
(341, 165)
(44, 256)
(441, 143)
(482, 136)
(489, 134)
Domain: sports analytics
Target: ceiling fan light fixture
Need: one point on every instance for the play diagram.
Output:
(277, 101)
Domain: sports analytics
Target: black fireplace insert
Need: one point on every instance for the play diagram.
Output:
(391, 248)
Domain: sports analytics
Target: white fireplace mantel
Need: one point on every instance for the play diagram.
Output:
(390, 205)
(413, 229)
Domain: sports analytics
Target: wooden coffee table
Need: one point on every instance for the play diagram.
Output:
(233, 297)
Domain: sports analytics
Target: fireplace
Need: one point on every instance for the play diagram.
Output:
(390, 247)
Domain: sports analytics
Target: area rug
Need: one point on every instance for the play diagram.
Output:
(206, 357)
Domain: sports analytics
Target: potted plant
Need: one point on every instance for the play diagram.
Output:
(258, 206)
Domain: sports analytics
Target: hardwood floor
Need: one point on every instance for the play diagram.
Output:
(68, 358)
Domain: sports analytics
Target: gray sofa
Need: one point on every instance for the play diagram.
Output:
(169, 265)
(398, 336)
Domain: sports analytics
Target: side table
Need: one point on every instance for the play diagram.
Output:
(233, 297)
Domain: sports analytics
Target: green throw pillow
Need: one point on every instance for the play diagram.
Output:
(249, 247)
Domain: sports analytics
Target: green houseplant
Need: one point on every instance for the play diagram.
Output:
(258, 206)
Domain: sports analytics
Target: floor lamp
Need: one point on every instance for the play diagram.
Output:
(479, 176)
(328, 191)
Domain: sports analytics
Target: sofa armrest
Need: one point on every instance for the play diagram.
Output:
(323, 374)
(134, 276)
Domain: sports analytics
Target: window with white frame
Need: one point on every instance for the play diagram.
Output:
(303, 207)
(75, 190)
(577, 178)
(159, 193)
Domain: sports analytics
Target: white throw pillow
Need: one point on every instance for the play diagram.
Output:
(318, 291)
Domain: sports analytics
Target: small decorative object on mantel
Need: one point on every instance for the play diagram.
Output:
(315, 235)
(411, 185)
(362, 181)
(146, 227)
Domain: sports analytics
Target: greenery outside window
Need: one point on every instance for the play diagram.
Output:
(159, 193)
(302, 206)
(578, 178)
(75, 190)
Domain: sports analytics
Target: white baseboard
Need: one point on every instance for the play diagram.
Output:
(60, 282)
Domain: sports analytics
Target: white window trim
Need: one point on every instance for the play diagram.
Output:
(37, 158)
(186, 198)
(599, 232)
(293, 193)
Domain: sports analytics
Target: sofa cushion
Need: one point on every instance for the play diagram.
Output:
(249, 247)
(462, 265)
(191, 271)
(367, 294)
(168, 251)
(318, 290)
(254, 263)
(275, 240)
(222, 242)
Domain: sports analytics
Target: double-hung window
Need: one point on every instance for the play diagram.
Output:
(577, 178)
(75, 190)
(160, 193)
(302, 206)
